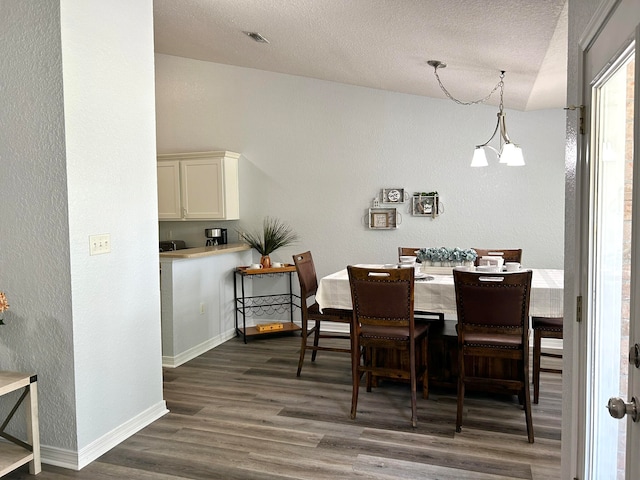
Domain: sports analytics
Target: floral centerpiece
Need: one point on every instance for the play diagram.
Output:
(446, 257)
(274, 235)
(4, 306)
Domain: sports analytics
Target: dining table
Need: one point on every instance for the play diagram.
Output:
(436, 292)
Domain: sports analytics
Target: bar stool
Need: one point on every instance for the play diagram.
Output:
(543, 327)
(311, 313)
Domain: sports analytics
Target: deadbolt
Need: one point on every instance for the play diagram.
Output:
(618, 408)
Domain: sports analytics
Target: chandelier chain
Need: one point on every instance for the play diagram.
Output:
(499, 85)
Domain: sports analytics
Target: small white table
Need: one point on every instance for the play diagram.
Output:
(15, 452)
(439, 295)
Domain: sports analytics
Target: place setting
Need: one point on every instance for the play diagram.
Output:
(409, 261)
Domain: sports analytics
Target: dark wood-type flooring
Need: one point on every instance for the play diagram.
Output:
(240, 412)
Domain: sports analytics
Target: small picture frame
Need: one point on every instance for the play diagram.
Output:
(424, 205)
(379, 220)
(393, 195)
(383, 218)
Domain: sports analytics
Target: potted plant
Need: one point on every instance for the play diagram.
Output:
(274, 235)
(443, 256)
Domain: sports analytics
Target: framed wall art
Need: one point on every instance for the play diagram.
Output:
(393, 195)
(383, 218)
(425, 205)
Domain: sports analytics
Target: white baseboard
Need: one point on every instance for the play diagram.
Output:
(59, 457)
(77, 460)
(193, 352)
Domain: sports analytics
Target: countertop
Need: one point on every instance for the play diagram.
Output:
(199, 252)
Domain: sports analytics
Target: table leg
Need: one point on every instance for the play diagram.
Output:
(244, 313)
(33, 430)
(290, 298)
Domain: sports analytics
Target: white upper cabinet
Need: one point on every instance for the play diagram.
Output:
(198, 186)
(169, 190)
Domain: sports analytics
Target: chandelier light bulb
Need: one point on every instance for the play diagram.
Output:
(512, 155)
(479, 158)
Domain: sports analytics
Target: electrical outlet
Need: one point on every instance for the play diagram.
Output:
(99, 244)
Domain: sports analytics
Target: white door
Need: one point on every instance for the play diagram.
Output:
(610, 264)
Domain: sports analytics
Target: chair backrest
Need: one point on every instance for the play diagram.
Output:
(509, 254)
(382, 297)
(306, 274)
(407, 252)
(493, 300)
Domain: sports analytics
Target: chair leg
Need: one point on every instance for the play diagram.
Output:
(414, 386)
(316, 337)
(520, 367)
(537, 342)
(460, 390)
(369, 360)
(355, 374)
(527, 404)
(303, 344)
(425, 375)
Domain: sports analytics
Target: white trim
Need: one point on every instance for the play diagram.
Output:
(119, 434)
(597, 21)
(594, 54)
(574, 358)
(78, 460)
(193, 352)
(59, 457)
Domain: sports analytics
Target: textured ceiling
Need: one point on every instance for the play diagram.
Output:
(384, 44)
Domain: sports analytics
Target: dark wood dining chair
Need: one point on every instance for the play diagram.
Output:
(383, 318)
(306, 270)
(493, 322)
(543, 327)
(509, 254)
(408, 252)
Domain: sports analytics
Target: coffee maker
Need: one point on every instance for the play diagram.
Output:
(215, 236)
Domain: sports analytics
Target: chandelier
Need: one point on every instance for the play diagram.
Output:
(508, 152)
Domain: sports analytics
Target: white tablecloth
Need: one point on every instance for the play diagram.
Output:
(438, 295)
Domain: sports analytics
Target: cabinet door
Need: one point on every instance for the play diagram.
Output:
(202, 188)
(169, 190)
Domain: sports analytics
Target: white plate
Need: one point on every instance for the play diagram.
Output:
(422, 276)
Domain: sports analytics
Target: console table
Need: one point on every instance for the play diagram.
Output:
(263, 304)
(15, 452)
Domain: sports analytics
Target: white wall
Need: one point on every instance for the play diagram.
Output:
(77, 150)
(315, 154)
(35, 272)
(198, 304)
(110, 140)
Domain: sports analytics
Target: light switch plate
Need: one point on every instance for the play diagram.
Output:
(99, 244)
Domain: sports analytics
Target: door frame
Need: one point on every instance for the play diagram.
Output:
(577, 247)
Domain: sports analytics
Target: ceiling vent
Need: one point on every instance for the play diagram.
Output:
(257, 37)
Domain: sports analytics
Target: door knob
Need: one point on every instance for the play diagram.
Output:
(618, 408)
